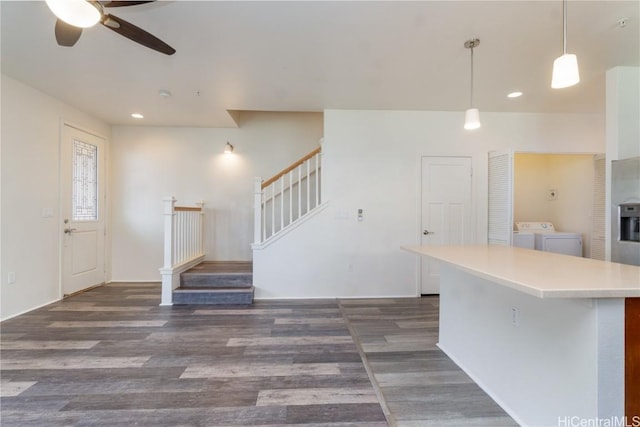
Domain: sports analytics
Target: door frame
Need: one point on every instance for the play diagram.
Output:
(104, 199)
(472, 207)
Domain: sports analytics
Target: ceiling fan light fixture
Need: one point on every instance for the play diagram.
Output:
(79, 13)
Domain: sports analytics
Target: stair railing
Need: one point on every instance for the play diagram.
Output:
(183, 243)
(287, 196)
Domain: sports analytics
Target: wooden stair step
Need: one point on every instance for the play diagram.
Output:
(216, 280)
(219, 274)
(216, 283)
(213, 296)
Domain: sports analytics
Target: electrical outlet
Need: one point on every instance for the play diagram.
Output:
(11, 277)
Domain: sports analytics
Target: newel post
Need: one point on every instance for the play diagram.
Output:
(169, 204)
(257, 206)
(167, 270)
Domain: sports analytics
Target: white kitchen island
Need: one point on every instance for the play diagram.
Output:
(543, 334)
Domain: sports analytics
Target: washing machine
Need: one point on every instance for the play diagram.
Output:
(523, 239)
(547, 239)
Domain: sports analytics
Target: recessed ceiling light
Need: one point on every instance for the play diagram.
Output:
(514, 95)
(137, 116)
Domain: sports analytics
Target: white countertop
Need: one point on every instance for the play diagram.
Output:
(538, 273)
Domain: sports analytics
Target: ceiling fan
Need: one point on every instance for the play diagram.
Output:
(74, 15)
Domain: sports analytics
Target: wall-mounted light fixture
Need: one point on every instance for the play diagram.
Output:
(79, 13)
(565, 67)
(472, 115)
(228, 148)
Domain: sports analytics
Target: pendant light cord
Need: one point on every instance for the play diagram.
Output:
(471, 94)
(564, 27)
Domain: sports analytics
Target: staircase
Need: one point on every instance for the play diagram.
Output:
(216, 283)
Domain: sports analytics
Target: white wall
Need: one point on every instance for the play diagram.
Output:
(30, 132)
(571, 175)
(150, 163)
(562, 358)
(372, 161)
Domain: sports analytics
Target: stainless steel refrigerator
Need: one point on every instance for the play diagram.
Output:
(625, 211)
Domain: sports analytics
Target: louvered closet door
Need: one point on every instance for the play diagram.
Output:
(500, 196)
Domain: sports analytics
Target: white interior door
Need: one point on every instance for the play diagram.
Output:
(82, 160)
(446, 211)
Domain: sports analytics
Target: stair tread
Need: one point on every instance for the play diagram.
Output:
(213, 296)
(222, 267)
(216, 283)
(213, 290)
(215, 273)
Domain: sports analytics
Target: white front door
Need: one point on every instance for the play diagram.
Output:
(82, 164)
(446, 211)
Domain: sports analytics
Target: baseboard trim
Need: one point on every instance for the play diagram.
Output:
(333, 297)
(482, 385)
(31, 309)
(134, 281)
(81, 291)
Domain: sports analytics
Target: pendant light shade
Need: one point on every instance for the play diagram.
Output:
(472, 115)
(565, 67)
(471, 119)
(79, 13)
(565, 71)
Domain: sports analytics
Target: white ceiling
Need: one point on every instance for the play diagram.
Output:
(316, 55)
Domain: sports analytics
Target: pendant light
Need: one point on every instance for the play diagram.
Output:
(565, 67)
(79, 13)
(472, 115)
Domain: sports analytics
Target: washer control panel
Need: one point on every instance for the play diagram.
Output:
(535, 227)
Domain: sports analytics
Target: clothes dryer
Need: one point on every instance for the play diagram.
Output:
(547, 239)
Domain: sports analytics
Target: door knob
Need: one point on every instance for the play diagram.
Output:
(427, 232)
(69, 230)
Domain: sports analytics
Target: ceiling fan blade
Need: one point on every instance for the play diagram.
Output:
(125, 3)
(136, 34)
(67, 35)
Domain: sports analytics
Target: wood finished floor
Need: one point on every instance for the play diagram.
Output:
(112, 357)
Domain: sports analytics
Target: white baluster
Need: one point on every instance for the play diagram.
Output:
(200, 204)
(308, 165)
(290, 197)
(273, 209)
(257, 210)
(299, 190)
(317, 179)
(281, 202)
